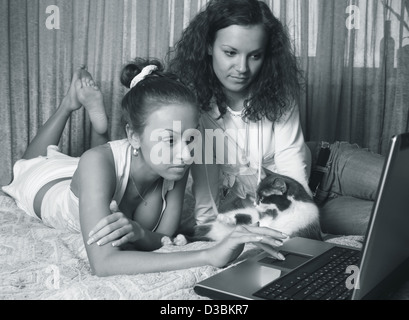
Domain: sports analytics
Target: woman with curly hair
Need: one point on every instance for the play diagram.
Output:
(238, 59)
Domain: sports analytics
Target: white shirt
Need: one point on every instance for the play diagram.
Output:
(279, 147)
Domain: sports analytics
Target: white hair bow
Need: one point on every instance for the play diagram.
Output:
(144, 73)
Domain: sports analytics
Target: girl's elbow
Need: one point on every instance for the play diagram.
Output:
(101, 266)
(100, 270)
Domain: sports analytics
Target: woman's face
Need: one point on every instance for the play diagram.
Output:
(164, 144)
(238, 54)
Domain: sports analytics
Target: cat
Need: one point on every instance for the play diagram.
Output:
(282, 203)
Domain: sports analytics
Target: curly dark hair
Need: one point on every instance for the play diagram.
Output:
(278, 84)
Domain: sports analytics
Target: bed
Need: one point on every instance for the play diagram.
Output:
(39, 263)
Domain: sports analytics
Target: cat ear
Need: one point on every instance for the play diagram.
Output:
(280, 184)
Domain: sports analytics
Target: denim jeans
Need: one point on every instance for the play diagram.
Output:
(348, 189)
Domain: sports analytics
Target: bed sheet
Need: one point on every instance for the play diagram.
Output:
(41, 263)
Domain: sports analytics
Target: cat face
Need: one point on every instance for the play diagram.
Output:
(275, 188)
(272, 194)
(284, 204)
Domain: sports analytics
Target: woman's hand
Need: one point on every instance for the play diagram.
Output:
(116, 229)
(231, 247)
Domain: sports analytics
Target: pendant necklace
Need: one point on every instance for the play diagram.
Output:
(145, 202)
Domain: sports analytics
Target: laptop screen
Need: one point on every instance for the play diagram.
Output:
(387, 238)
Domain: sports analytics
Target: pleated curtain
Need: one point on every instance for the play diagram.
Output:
(354, 54)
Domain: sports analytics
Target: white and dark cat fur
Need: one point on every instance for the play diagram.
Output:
(282, 204)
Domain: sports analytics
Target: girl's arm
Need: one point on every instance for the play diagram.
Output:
(118, 230)
(292, 156)
(205, 176)
(205, 190)
(96, 185)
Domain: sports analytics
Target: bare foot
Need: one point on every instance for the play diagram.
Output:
(91, 98)
(86, 79)
(70, 100)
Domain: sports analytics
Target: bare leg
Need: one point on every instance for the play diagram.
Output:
(98, 139)
(88, 95)
(50, 133)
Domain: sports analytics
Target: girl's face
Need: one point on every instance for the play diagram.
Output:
(165, 142)
(238, 55)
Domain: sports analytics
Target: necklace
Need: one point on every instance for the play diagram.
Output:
(237, 120)
(145, 203)
(235, 113)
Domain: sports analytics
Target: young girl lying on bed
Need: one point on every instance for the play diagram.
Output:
(117, 195)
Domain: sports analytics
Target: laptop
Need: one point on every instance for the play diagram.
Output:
(370, 273)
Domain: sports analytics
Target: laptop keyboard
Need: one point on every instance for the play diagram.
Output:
(322, 278)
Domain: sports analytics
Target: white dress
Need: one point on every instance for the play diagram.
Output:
(60, 207)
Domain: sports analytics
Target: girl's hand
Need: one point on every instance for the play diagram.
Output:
(231, 247)
(116, 228)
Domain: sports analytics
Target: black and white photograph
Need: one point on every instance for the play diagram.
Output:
(204, 151)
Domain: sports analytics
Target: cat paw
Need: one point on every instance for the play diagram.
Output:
(180, 240)
(166, 241)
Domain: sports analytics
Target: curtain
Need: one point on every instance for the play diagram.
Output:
(357, 79)
(354, 54)
(44, 41)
